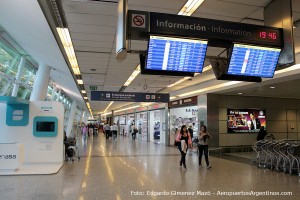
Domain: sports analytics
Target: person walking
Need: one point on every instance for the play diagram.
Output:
(114, 130)
(184, 141)
(203, 137)
(134, 132)
(107, 131)
(84, 132)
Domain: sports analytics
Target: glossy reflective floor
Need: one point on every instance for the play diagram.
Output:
(126, 169)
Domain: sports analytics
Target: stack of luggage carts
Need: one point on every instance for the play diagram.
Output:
(71, 149)
(278, 155)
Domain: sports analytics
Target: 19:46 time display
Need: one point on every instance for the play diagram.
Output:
(267, 35)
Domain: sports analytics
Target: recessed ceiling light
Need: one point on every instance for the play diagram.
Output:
(240, 93)
(272, 87)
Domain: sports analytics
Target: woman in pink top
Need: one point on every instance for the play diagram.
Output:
(184, 140)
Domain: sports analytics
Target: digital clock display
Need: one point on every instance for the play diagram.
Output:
(268, 35)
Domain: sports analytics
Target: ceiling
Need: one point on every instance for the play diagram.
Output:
(92, 25)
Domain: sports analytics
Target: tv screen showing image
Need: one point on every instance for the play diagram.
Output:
(45, 126)
(176, 54)
(250, 60)
(245, 120)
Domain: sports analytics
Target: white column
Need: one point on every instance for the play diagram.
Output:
(54, 90)
(58, 96)
(18, 77)
(40, 85)
(71, 119)
(25, 94)
(167, 120)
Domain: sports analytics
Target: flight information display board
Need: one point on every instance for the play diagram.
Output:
(249, 60)
(176, 54)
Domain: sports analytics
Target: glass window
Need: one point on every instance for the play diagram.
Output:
(9, 60)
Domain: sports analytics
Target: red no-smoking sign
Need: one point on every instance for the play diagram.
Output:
(138, 21)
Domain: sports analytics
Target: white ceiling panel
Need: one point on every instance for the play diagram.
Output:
(84, 43)
(217, 17)
(93, 49)
(168, 4)
(91, 19)
(91, 7)
(296, 5)
(226, 9)
(250, 21)
(93, 59)
(258, 14)
(88, 55)
(82, 28)
(93, 37)
(90, 62)
(261, 3)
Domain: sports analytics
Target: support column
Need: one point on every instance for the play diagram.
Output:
(18, 77)
(112, 117)
(25, 94)
(167, 120)
(54, 90)
(58, 95)
(148, 126)
(71, 119)
(40, 84)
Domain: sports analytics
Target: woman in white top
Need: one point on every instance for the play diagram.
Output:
(203, 136)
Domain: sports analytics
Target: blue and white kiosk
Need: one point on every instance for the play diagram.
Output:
(31, 136)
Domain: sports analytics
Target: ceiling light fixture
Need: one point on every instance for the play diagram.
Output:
(79, 81)
(294, 67)
(83, 91)
(272, 87)
(108, 106)
(209, 88)
(296, 24)
(205, 69)
(208, 67)
(126, 109)
(65, 38)
(190, 7)
(240, 93)
(179, 81)
(133, 75)
(85, 97)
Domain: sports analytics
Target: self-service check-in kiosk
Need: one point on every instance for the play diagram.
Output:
(31, 136)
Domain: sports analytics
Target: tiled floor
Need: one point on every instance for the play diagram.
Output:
(122, 169)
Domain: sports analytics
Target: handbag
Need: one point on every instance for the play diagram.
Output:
(176, 144)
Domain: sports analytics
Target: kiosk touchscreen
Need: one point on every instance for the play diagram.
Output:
(45, 126)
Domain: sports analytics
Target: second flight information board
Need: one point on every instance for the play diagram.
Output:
(249, 60)
(176, 54)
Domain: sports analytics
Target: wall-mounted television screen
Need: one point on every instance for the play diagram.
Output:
(45, 126)
(167, 55)
(250, 60)
(245, 120)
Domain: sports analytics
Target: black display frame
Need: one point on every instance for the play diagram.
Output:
(230, 55)
(143, 60)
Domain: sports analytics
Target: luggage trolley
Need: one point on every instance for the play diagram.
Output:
(294, 154)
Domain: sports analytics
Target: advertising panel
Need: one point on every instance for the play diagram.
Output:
(245, 120)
